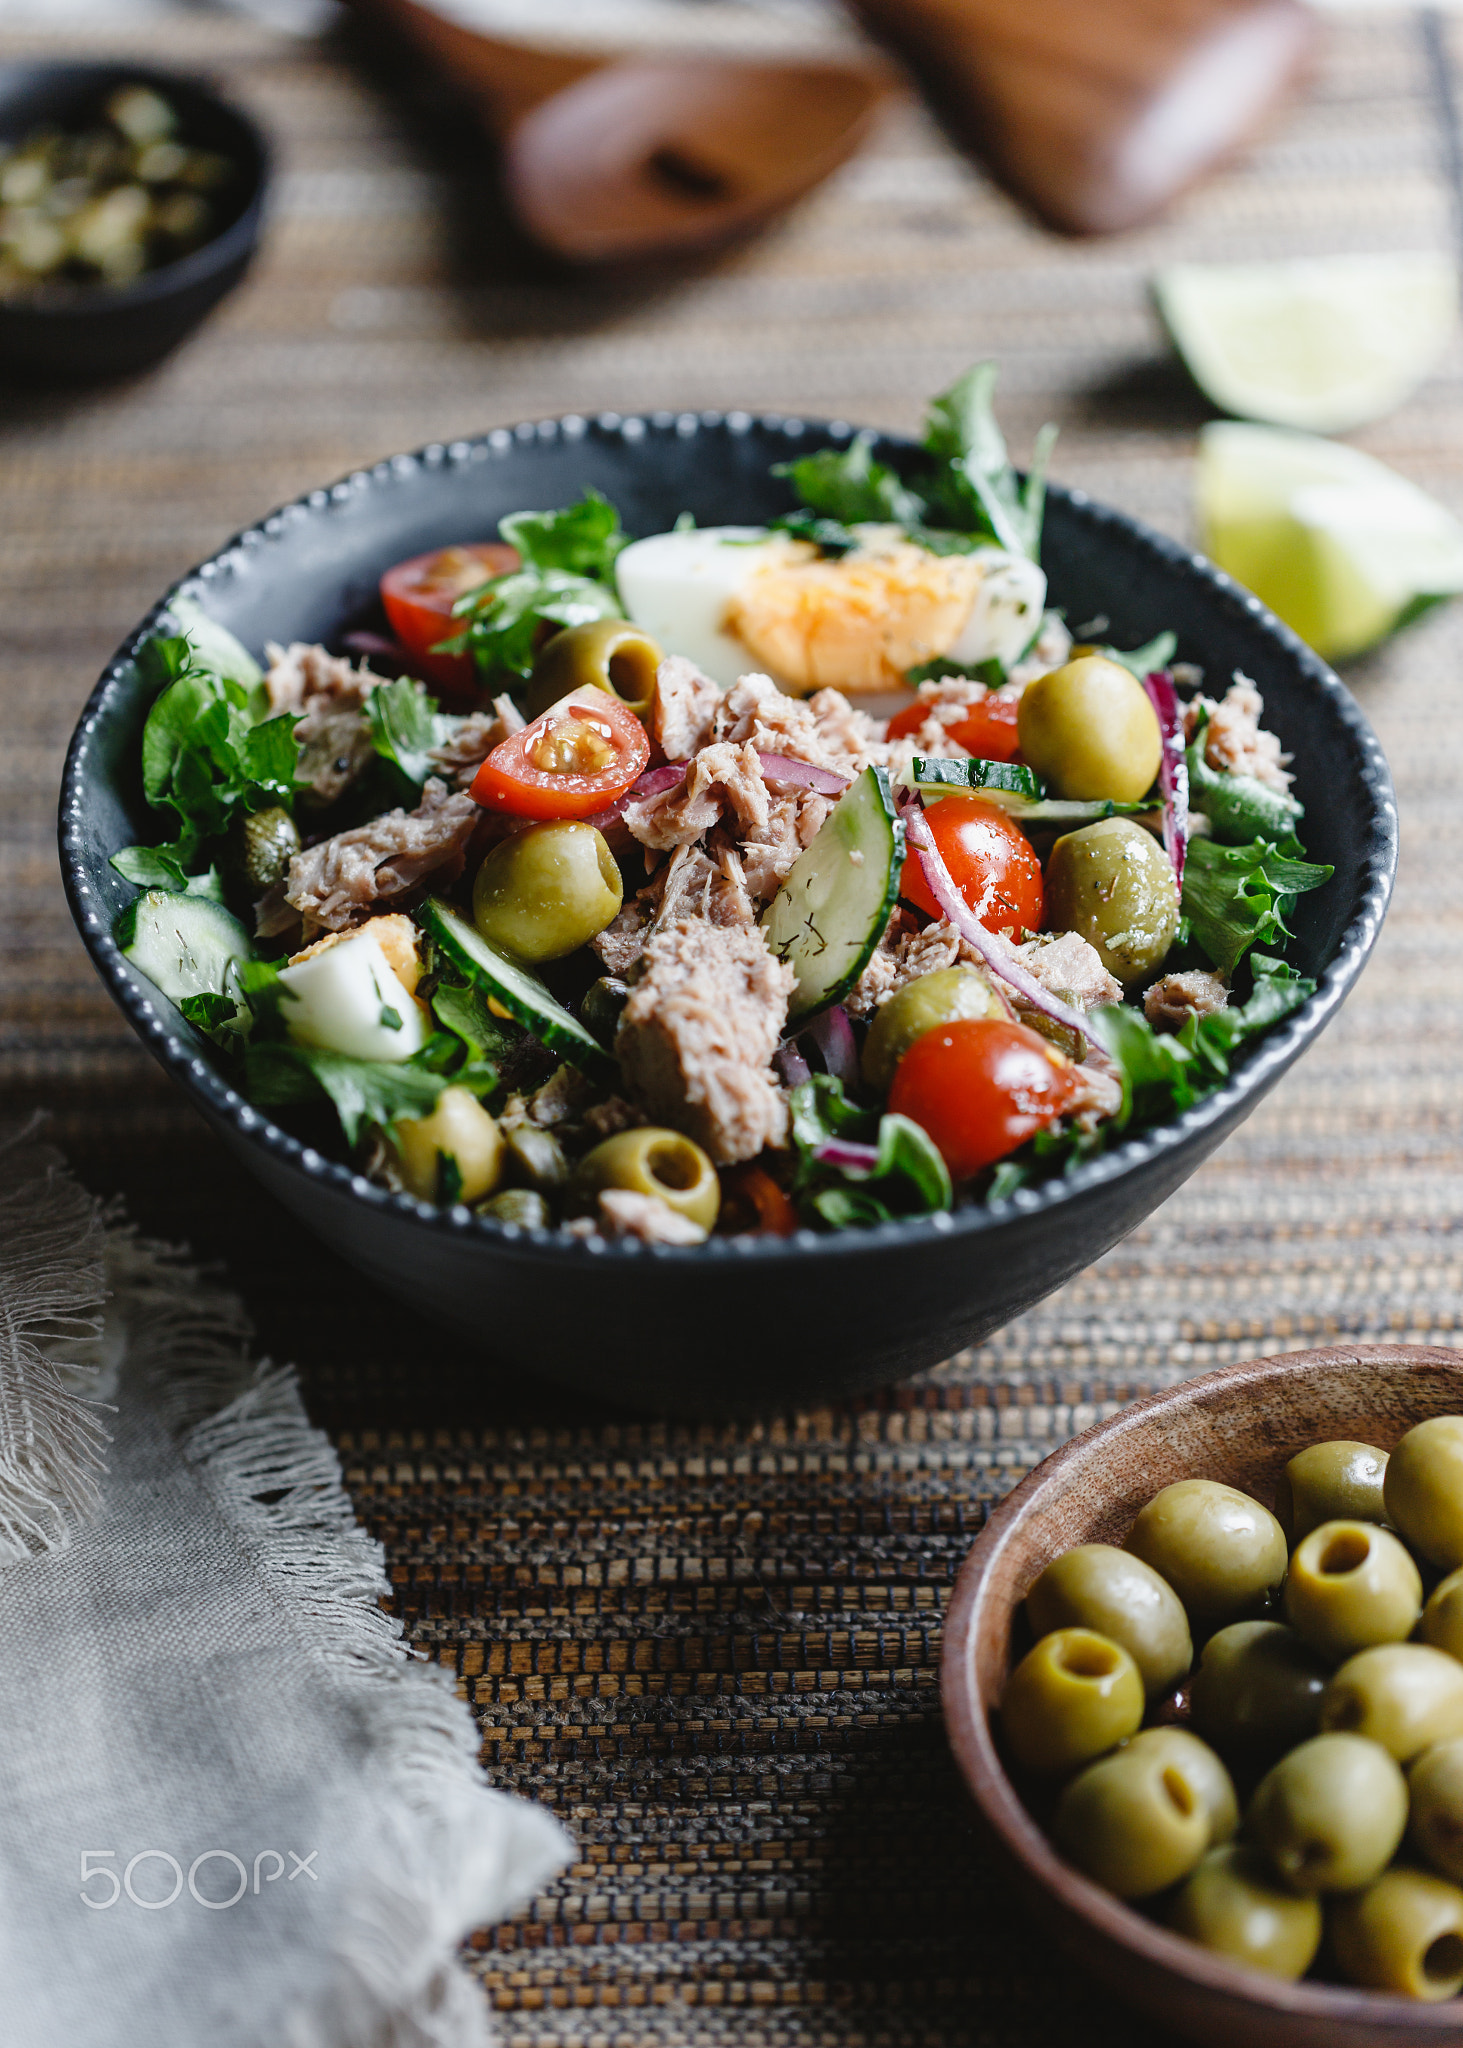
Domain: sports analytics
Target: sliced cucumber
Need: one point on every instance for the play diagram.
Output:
(185, 945)
(1015, 789)
(518, 991)
(831, 911)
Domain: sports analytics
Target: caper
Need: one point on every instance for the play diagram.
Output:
(1424, 1490)
(1403, 1695)
(1257, 1690)
(1113, 884)
(547, 890)
(1233, 1905)
(1133, 1822)
(1404, 1933)
(604, 1000)
(537, 1155)
(606, 654)
(453, 1155)
(1339, 1481)
(1435, 1824)
(1223, 1554)
(1350, 1585)
(1330, 1814)
(1074, 1696)
(262, 846)
(1099, 1587)
(655, 1162)
(1090, 731)
(522, 1206)
(920, 1006)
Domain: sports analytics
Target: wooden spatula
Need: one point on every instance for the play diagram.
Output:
(646, 156)
(1096, 113)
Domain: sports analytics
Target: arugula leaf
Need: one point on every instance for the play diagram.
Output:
(1235, 896)
(847, 486)
(465, 1013)
(1239, 807)
(362, 1091)
(504, 616)
(975, 485)
(584, 539)
(1164, 1073)
(907, 1177)
(1142, 661)
(405, 725)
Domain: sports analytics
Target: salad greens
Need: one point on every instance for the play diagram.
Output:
(566, 578)
(905, 1176)
(1235, 896)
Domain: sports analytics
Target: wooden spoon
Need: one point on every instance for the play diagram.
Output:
(1096, 113)
(642, 157)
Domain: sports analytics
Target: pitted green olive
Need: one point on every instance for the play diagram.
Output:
(655, 1162)
(1424, 1490)
(453, 1155)
(1435, 1783)
(1403, 1695)
(1404, 1933)
(263, 844)
(1350, 1585)
(546, 891)
(1200, 1769)
(1442, 1618)
(1257, 1690)
(1090, 731)
(1072, 1697)
(1133, 1822)
(1223, 1554)
(1114, 885)
(1331, 1482)
(606, 654)
(920, 1006)
(1331, 1813)
(1233, 1905)
(1099, 1587)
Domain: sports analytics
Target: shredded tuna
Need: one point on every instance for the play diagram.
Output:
(698, 1033)
(461, 757)
(298, 674)
(343, 879)
(1099, 1096)
(1069, 967)
(824, 730)
(603, 1119)
(1235, 739)
(685, 705)
(624, 1213)
(722, 781)
(696, 881)
(793, 819)
(1170, 1003)
(333, 733)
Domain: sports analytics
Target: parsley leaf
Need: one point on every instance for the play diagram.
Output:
(362, 1091)
(405, 725)
(847, 486)
(505, 615)
(1236, 896)
(583, 539)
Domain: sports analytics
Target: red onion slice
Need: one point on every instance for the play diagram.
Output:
(1173, 768)
(847, 1154)
(654, 782)
(376, 647)
(792, 1068)
(957, 912)
(801, 774)
(832, 1033)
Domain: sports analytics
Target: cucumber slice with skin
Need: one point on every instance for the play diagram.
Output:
(185, 945)
(836, 901)
(519, 992)
(1016, 790)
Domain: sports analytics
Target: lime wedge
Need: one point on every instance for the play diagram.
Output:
(1339, 545)
(1322, 345)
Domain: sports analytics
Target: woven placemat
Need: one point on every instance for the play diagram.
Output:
(714, 1650)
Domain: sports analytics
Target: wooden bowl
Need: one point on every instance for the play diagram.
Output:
(1239, 1426)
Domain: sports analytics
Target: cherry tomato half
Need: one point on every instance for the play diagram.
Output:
(575, 758)
(991, 863)
(981, 1087)
(419, 596)
(987, 728)
(751, 1200)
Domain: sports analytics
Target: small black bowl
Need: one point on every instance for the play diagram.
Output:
(74, 332)
(739, 1323)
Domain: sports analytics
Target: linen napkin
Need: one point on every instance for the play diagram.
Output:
(232, 1808)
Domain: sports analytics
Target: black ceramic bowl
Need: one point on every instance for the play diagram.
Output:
(70, 331)
(739, 1322)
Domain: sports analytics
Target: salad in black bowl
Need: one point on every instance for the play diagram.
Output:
(740, 890)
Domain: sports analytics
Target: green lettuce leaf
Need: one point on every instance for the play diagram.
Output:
(1142, 661)
(1237, 896)
(1164, 1073)
(362, 1091)
(907, 1178)
(1239, 807)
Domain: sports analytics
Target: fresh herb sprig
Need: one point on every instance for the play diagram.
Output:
(565, 578)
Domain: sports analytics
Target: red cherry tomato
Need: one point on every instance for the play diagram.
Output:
(575, 758)
(419, 596)
(751, 1200)
(991, 863)
(987, 728)
(981, 1087)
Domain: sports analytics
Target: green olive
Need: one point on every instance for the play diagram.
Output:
(1331, 1482)
(453, 1155)
(655, 1162)
(607, 654)
(262, 846)
(1403, 1695)
(536, 1156)
(1435, 1785)
(1424, 1490)
(1257, 1690)
(521, 1206)
(1351, 1584)
(1113, 884)
(1072, 1697)
(1233, 1905)
(1133, 1822)
(546, 891)
(920, 1006)
(1089, 730)
(1201, 1770)
(1404, 1933)
(1099, 1587)
(1330, 1814)
(1223, 1554)
(1442, 1617)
